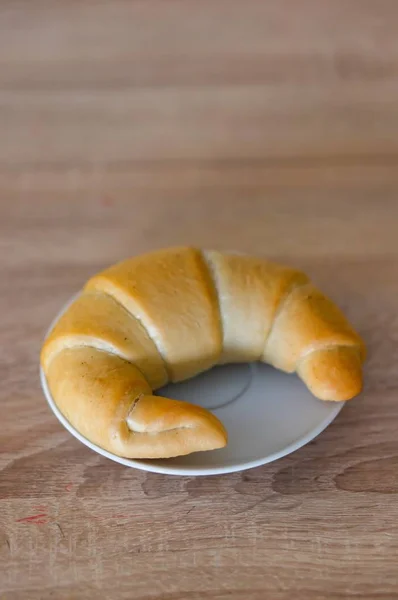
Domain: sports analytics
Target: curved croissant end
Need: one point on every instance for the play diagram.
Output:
(333, 373)
(157, 427)
(109, 401)
(171, 314)
(311, 336)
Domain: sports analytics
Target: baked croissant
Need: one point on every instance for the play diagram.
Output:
(171, 314)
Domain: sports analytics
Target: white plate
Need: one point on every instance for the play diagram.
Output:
(268, 415)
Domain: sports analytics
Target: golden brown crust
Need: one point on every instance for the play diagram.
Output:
(94, 389)
(98, 320)
(333, 373)
(175, 313)
(171, 293)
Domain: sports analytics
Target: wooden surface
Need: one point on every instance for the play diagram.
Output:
(269, 127)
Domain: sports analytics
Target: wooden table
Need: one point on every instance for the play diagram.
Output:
(270, 127)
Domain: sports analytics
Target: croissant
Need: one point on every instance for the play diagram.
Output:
(170, 315)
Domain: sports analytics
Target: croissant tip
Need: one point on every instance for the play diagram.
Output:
(333, 374)
(165, 428)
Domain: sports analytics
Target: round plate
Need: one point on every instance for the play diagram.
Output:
(268, 414)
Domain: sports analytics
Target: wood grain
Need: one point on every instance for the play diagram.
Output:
(262, 126)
